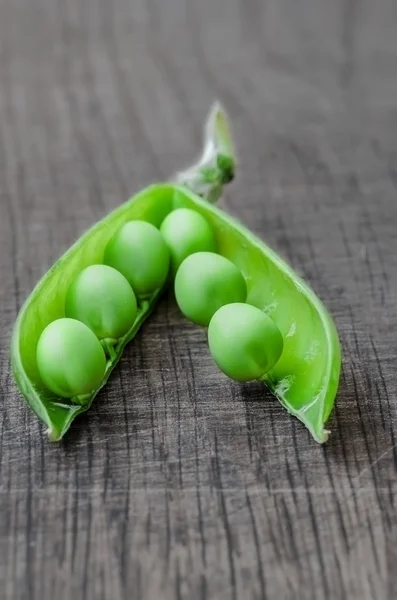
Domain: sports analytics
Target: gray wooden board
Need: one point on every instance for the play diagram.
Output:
(180, 483)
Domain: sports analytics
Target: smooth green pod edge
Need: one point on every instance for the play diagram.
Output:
(307, 376)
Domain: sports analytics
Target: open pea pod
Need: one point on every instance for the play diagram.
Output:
(306, 377)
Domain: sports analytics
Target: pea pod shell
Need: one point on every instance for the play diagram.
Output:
(305, 379)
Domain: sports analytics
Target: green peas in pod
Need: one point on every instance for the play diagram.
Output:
(70, 358)
(139, 252)
(301, 367)
(205, 281)
(244, 342)
(185, 232)
(102, 298)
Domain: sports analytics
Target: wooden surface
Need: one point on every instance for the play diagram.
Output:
(178, 483)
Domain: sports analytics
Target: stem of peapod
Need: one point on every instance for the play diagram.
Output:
(217, 164)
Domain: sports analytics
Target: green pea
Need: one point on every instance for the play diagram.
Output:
(139, 252)
(185, 232)
(70, 358)
(244, 342)
(206, 281)
(102, 298)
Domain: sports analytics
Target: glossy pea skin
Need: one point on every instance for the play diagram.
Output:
(244, 342)
(139, 252)
(70, 358)
(185, 232)
(205, 281)
(101, 298)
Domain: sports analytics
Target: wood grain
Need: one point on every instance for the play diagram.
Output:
(178, 483)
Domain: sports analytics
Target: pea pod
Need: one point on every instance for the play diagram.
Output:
(305, 378)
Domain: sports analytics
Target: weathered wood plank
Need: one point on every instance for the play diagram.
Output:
(179, 483)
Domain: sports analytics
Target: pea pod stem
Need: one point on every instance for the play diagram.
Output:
(109, 347)
(81, 400)
(217, 163)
